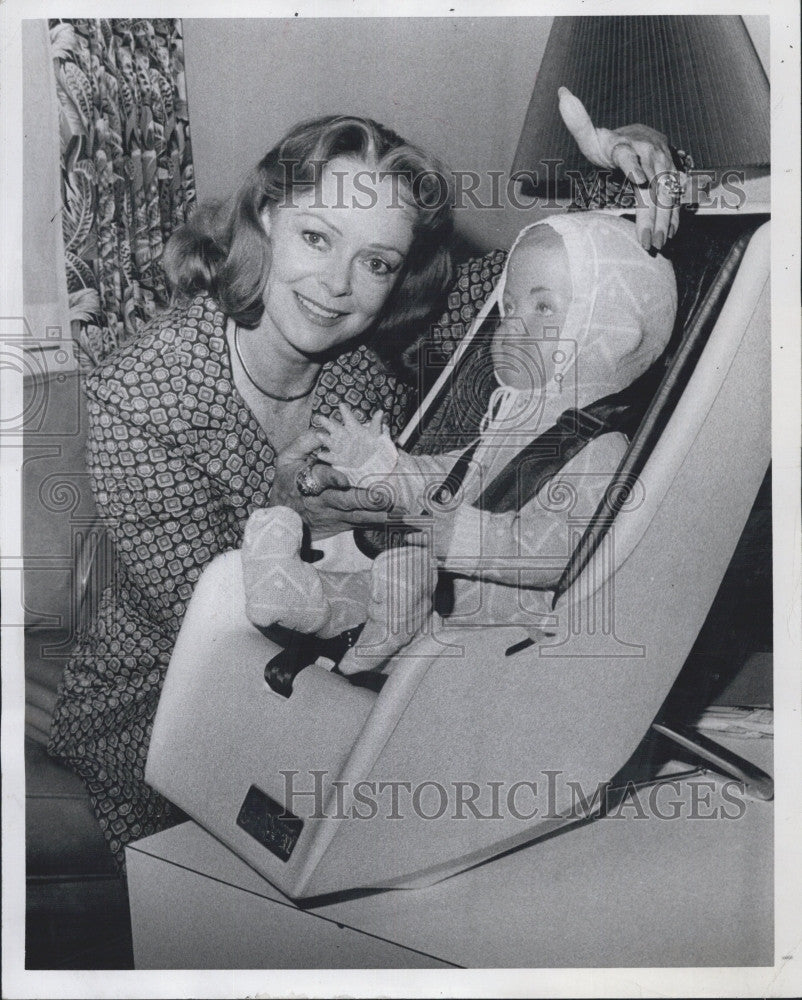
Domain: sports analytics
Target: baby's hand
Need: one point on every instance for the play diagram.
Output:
(357, 449)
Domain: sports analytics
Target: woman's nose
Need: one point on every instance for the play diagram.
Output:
(336, 278)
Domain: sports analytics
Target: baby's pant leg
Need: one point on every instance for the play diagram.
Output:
(402, 582)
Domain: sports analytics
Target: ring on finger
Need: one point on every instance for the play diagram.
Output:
(306, 483)
(621, 142)
(673, 187)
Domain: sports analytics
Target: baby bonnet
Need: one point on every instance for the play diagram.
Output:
(624, 301)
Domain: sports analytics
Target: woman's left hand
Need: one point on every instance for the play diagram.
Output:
(643, 154)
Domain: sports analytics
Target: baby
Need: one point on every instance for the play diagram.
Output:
(584, 312)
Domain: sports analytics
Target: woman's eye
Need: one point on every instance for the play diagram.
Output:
(312, 238)
(378, 266)
(545, 309)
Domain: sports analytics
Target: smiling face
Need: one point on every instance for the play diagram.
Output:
(337, 252)
(537, 295)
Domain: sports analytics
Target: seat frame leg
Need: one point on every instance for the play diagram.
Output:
(757, 784)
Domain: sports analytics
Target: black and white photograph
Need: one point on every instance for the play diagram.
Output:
(401, 503)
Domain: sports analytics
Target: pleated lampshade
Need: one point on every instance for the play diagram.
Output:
(698, 79)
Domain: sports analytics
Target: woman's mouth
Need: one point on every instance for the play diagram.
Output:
(316, 313)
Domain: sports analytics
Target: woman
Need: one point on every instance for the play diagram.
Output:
(299, 295)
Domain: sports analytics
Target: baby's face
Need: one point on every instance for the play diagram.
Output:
(537, 295)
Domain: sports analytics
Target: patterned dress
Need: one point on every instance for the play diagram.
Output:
(177, 464)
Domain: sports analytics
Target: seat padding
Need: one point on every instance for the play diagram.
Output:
(62, 836)
(45, 656)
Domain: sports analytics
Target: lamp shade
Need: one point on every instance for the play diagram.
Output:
(698, 79)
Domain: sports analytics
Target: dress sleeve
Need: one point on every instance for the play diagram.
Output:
(530, 547)
(165, 515)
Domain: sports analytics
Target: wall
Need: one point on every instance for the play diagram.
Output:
(460, 87)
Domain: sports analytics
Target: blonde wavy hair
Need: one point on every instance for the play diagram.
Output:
(223, 248)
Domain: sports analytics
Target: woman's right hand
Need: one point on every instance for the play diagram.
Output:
(644, 156)
(338, 507)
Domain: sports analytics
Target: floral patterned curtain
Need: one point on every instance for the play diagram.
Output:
(126, 169)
